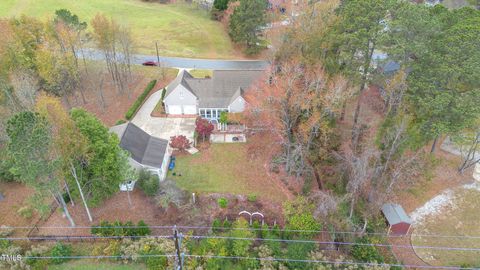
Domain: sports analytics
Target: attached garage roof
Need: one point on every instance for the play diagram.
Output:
(220, 90)
(395, 214)
(144, 149)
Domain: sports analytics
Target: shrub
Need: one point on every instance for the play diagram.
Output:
(118, 228)
(299, 251)
(113, 248)
(223, 118)
(303, 221)
(5, 165)
(26, 212)
(148, 246)
(252, 198)
(366, 253)
(37, 251)
(133, 109)
(222, 202)
(164, 91)
(129, 228)
(180, 142)
(216, 225)
(227, 224)
(203, 127)
(119, 122)
(60, 250)
(143, 229)
(148, 182)
(220, 4)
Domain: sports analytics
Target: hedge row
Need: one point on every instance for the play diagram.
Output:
(133, 109)
(164, 91)
(119, 228)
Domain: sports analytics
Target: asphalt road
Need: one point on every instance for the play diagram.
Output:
(189, 63)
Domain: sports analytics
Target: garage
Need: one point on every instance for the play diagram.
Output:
(189, 109)
(182, 109)
(174, 109)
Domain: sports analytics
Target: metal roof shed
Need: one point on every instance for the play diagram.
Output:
(398, 221)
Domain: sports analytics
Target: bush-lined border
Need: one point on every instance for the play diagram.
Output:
(134, 108)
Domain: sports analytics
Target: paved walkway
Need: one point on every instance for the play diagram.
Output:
(191, 63)
(162, 127)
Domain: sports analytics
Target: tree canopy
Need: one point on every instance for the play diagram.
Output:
(108, 165)
(246, 22)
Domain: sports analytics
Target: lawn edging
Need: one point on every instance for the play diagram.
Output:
(136, 105)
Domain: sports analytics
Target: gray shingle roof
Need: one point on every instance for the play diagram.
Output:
(144, 149)
(395, 214)
(180, 79)
(220, 90)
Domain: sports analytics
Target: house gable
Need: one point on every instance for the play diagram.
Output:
(180, 96)
(237, 105)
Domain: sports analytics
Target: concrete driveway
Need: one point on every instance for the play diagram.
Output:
(162, 127)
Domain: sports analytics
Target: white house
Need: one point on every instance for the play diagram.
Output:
(208, 97)
(147, 152)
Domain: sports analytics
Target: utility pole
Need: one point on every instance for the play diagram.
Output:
(158, 56)
(178, 243)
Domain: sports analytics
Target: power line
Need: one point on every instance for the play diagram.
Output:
(54, 238)
(67, 237)
(334, 243)
(247, 229)
(328, 262)
(244, 258)
(97, 257)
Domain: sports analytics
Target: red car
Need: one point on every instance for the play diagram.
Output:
(149, 63)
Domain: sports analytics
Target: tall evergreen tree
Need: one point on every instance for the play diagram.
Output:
(245, 24)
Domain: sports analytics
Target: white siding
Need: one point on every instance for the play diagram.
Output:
(174, 109)
(190, 109)
(181, 101)
(238, 105)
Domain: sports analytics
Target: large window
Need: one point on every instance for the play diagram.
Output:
(211, 113)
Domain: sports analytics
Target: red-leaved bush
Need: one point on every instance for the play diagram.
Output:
(203, 127)
(180, 142)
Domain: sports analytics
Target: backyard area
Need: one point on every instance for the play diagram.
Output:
(225, 168)
(180, 29)
(457, 220)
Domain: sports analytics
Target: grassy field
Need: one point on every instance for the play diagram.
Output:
(180, 30)
(225, 168)
(460, 220)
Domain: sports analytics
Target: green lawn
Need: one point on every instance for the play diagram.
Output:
(460, 220)
(225, 168)
(201, 73)
(180, 30)
(92, 265)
